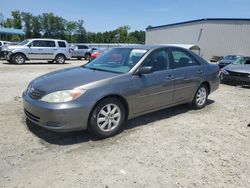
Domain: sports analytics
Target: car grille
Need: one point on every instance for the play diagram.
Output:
(31, 116)
(36, 93)
(239, 74)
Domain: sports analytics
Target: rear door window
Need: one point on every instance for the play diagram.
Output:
(50, 43)
(181, 58)
(61, 44)
(82, 47)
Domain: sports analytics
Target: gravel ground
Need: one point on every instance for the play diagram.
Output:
(176, 147)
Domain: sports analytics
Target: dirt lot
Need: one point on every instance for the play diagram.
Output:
(176, 147)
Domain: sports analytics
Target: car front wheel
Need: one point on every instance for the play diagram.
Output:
(107, 118)
(200, 98)
(19, 59)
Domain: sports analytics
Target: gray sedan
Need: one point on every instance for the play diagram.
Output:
(122, 84)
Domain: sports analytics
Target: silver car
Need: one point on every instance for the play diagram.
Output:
(80, 51)
(38, 49)
(123, 83)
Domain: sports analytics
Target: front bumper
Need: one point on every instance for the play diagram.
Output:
(235, 80)
(8, 55)
(3, 54)
(56, 117)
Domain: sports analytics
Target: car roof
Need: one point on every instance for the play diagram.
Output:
(148, 47)
(46, 39)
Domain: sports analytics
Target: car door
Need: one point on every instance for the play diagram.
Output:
(187, 73)
(49, 49)
(35, 49)
(153, 90)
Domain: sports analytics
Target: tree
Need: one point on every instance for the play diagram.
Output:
(27, 20)
(70, 29)
(81, 31)
(8, 23)
(36, 26)
(17, 20)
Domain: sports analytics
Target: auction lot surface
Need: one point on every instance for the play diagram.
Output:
(176, 147)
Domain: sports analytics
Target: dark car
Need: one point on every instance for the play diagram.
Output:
(121, 84)
(229, 59)
(237, 73)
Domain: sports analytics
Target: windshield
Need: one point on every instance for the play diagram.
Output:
(117, 60)
(23, 42)
(231, 57)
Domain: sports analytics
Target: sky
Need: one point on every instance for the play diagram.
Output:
(106, 15)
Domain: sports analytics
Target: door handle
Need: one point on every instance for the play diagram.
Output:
(40, 49)
(170, 77)
(199, 71)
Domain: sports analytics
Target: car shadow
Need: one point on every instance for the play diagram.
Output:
(76, 137)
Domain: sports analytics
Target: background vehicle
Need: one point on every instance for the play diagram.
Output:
(228, 60)
(216, 58)
(38, 49)
(2, 44)
(237, 73)
(98, 53)
(80, 51)
(121, 84)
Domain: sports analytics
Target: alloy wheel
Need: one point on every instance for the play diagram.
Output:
(109, 117)
(201, 96)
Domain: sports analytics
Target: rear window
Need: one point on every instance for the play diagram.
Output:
(61, 44)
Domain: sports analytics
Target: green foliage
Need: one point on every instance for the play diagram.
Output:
(17, 20)
(51, 26)
(8, 23)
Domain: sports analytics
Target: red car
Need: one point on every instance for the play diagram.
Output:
(98, 53)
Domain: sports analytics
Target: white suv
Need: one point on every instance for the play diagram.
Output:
(38, 49)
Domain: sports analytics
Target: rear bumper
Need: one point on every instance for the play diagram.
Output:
(56, 117)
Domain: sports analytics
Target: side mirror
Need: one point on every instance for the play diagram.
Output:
(144, 70)
(29, 45)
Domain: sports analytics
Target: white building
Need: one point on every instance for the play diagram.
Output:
(215, 37)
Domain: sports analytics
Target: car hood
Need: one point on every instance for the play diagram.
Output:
(12, 47)
(238, 68)
(226, 61)
(69, 78)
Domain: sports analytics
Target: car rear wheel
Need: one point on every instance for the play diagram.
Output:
(60, 59)
(200, 98)
(19, 59)
(107, 118)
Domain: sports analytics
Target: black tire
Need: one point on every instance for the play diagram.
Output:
(60, 59)
(79, 58)
(196, 103)
(94, 126)
(18, 59)
(87, 56)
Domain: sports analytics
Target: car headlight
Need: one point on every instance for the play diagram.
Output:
(224, 72)
(63, 96)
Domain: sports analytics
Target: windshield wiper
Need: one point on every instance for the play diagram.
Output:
(104, 70)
